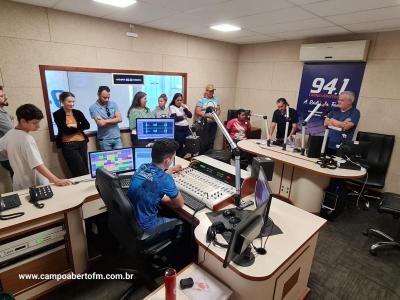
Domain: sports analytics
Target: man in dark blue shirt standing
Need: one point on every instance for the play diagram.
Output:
(279, 120)
(342, 120)
(152, 185)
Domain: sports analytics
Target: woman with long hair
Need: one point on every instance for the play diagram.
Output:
(138, 109)
(180, 112)
(71, 137)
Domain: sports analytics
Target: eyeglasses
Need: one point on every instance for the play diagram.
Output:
(108, 112)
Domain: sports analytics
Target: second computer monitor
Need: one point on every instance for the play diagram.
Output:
(115, 161)
(143, 156)
(155, 129)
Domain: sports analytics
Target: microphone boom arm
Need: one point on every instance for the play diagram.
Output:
(235, 151)
(303, 127)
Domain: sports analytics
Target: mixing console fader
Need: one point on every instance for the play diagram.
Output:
(204, 187)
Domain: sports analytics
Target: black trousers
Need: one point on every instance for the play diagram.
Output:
(75, 154)
(181, 132)
(6, 165)
(207, 137)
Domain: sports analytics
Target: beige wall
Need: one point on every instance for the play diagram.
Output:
(249, 76)
(271, 70)
(31, 36)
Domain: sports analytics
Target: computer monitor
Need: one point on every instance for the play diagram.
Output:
(263, 194)
(245, 232)
(143, 156)
(155, 129)
(354, 150)
(115, 161)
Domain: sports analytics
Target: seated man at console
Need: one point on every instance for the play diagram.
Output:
(342, 120)
(151, 184)
(239, 127)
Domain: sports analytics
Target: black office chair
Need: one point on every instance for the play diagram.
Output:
(376, 163)
(135, 243)
(390, 204)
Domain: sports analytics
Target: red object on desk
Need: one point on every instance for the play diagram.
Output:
(170, 284)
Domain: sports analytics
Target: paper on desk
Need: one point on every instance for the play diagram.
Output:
(206, 287)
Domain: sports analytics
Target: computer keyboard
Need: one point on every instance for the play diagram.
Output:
(192, 202)
(125, 181)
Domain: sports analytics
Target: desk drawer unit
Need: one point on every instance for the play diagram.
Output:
(54, 261)
(93, 208)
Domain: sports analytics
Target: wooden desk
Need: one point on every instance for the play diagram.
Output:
(71, 205)
(296, 177)
(280, 274)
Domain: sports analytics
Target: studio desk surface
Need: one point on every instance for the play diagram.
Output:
(298, 178)
(283, 271)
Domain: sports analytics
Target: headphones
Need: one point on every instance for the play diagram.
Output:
(213, 230)
(327, 162)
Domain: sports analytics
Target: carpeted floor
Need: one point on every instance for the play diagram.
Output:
(342, 269)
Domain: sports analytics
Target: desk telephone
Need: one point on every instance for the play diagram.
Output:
(9, 202)
(40, 193)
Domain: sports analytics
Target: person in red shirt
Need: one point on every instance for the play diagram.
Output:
(239, 127)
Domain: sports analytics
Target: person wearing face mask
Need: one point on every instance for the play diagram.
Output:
(152, 186)
(161, 111)
(138, 110)
(107, 116)
(180, 112)
(71, 138)
(6, 123)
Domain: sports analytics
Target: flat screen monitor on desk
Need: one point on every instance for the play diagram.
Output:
(155, 129)
(116, 161)
(263, 194)
(239, 250)
(143, 156)
(354, 150)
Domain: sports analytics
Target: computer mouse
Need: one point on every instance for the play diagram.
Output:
(228, 213)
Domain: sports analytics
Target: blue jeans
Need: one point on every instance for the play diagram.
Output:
(110, 144)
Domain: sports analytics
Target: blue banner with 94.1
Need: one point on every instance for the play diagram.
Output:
(323, 83)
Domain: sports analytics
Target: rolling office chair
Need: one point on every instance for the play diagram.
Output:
(376, 163)
(390, 204)
(135, 243)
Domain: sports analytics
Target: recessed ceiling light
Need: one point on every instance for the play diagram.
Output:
(225, 27)
(118, 3)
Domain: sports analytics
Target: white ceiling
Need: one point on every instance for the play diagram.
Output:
(261, 20)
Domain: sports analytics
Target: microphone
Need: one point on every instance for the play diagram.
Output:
(327, 109)
(209, 110)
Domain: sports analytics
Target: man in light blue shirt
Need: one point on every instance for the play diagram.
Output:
(341, 120)
(209, 131)
(107, 116)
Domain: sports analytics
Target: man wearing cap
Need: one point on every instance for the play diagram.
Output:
(210, 128)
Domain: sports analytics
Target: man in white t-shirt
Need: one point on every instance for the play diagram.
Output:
(23, 153)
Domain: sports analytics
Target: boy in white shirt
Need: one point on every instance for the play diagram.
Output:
(23, 153)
